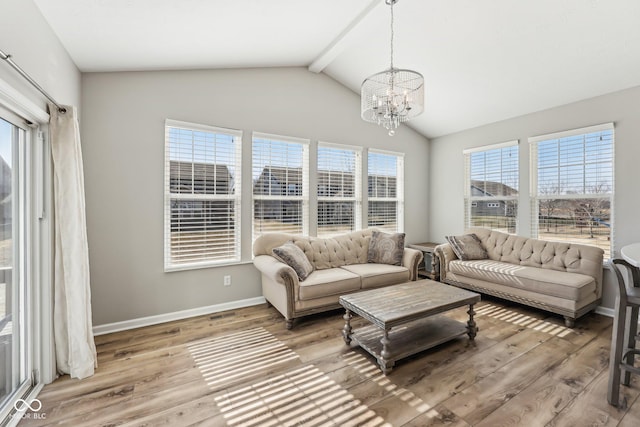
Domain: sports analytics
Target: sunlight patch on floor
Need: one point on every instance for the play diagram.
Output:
(238, 355)
(371, 371)
(301, 397)
(520, 319)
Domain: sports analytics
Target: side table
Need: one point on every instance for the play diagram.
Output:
(426, 271)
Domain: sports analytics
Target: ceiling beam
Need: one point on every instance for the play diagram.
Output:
(338, 44)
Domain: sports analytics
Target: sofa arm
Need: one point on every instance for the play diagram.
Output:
(412, 259)
(277, 271)
(443, 254)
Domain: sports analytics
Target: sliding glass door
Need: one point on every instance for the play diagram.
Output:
(14, 290)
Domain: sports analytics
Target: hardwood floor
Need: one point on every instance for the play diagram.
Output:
(244, 368)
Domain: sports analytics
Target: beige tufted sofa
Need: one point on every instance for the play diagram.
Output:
(559, 277)
(340, 268)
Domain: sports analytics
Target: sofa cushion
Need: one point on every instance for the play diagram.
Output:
(331, 281)
(522, 296)
(293, 256)
(573, 286)
(386, 248)
(467, 247)
(376, 275)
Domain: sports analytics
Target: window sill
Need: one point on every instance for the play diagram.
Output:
(207, 265)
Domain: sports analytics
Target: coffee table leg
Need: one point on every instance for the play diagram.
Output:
(346, 331)
(472, 329)
(384, 361)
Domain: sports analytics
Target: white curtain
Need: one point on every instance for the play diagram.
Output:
(75, 348)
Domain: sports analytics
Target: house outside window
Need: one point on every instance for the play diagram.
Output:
(202, 195)
(572, 186)
(491, 187)
(339, 189)
(280, 175)
(385, 181)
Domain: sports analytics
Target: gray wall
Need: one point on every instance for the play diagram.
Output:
(28, 38)
(123, 146)
(446, 166)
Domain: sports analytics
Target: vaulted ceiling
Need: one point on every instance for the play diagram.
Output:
(483, 60)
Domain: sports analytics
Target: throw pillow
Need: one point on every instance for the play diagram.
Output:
(467, 247)
(386, 248)
(294, 257)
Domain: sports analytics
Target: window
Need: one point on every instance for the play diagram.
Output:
(491, 187)
(385, 178)
(202, 195)
(572, 186)
(15, 300)
(280, 184)
(339, 189)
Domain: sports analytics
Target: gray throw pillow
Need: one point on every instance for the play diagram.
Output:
(467, 247)
(294, 257)
(386, 248)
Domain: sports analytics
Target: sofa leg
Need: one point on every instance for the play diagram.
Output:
(569, 322)
(289, 324)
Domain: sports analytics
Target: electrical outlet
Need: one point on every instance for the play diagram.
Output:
(227, 280)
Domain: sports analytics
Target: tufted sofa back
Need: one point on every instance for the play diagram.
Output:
(323, 253)
(529, 252)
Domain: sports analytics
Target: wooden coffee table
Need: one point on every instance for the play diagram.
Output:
(411, 309)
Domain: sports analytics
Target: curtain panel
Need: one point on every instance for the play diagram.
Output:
(73, 329)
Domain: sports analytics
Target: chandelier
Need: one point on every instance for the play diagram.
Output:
(392, 96)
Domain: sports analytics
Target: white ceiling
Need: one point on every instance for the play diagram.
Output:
(483, 60)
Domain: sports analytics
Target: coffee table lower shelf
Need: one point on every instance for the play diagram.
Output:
(408, 339)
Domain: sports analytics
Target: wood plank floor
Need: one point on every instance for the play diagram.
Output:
(244, 368)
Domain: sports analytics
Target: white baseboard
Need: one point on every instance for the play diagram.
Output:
(176, 315)
(605, 311)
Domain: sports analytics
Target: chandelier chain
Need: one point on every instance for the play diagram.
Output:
(391, 4)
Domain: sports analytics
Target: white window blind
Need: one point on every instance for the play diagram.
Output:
(385, 180)
(202, 195)
(572, 186)
(280, 170)
(491, 187)
(339, 189)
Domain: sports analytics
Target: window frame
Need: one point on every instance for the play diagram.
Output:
(399, 199)
(33, 267)
(235, 197)
(356, 199)
(471, 201)
(303, 198)
(534, 188)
